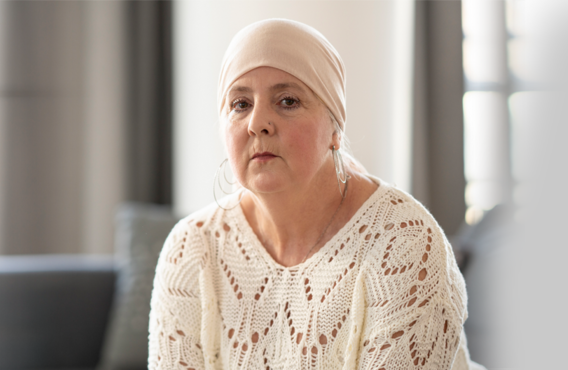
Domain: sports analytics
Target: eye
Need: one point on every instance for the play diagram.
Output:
(289, 103)
(240, 105)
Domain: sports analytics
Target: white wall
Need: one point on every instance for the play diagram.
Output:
(374, 39)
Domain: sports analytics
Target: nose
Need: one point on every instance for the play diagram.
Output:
(261, 121)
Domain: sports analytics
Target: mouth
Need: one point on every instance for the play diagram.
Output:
(264, 156)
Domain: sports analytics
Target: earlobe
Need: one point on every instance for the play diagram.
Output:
(335, 141)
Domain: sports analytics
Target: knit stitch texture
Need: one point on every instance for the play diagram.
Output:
(384, 293)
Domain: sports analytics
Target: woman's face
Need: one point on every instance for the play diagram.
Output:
(278, 133)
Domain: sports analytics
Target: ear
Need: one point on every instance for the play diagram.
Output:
(335, 141)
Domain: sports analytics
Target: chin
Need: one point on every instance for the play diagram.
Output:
(266, 183)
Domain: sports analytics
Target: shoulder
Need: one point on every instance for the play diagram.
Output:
(404, 208)
(412, 241)
(195, 232)
(413, 255)
(197, 224)
(405, 217)
(185, 249)
(396, 211)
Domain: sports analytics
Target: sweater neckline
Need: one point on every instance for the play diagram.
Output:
(257, 245)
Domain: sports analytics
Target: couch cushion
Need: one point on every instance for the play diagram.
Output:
(141, 230)
(53, 310)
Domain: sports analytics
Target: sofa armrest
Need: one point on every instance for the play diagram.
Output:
(54, 310)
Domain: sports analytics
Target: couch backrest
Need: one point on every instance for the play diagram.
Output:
(141, 230)
(53, 310)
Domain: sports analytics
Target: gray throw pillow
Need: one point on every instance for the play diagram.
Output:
(141, 230)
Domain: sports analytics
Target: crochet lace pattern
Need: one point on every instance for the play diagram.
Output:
(384, 293)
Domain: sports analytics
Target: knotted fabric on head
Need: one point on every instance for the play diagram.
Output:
(292, 47)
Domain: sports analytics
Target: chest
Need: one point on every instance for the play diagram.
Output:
(284, 318)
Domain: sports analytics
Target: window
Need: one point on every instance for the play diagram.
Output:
(496, 84)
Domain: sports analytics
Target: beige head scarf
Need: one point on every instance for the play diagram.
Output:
(292, 47)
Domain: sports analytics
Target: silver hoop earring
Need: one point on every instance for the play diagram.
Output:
(340, 173)
(217, 181)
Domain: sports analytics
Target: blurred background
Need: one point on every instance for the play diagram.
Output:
(109, 134)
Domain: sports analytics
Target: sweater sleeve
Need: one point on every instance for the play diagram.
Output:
(415, 300)
(175, 316)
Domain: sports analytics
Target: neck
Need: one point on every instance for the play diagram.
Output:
(290, 223)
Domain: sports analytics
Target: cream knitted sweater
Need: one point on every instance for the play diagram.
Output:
(384, 293)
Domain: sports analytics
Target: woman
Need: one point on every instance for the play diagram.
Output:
(319, 265)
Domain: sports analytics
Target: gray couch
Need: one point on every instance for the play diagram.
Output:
(83, 312)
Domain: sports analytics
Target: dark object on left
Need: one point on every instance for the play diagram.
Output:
(54, 310)
(81, 312)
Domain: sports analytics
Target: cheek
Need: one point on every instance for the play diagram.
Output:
(236, 145)
(233, 138)
(308, 146)
(231, 143)
(300, 143)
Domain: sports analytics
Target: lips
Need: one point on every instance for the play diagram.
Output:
(263, 155)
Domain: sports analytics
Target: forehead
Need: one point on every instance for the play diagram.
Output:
(268, 79)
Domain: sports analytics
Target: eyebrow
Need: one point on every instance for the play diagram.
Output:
(240, 89)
